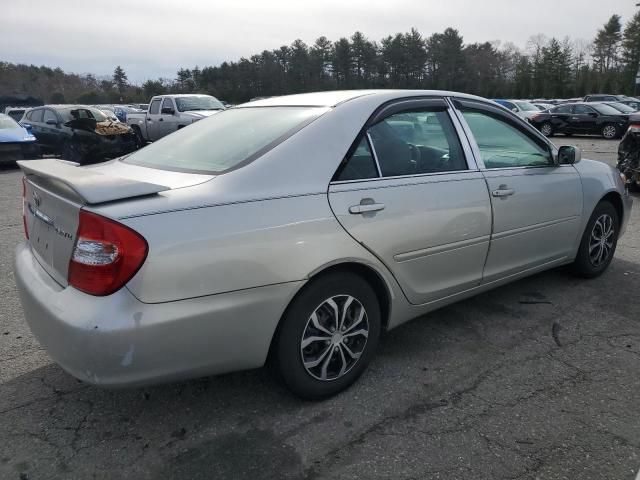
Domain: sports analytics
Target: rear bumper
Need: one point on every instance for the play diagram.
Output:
(120, 341)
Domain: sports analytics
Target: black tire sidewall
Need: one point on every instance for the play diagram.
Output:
(582, 266)
(288, 359)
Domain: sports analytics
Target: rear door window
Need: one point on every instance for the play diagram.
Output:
(36, 116)
(167, 103)
(413, 143)
(154, 108)
(360, 165)
(49, 115)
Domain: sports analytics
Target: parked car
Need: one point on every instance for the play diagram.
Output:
(79, 133)
(629, 154)
(109, 111)
(620, 107)
(169, 113)
(543, 106)
(582, 118)
(294, 230)
(600, 97)
(16, 142)
(635, 104)
(120, 112)
(521, 108)
(16, 112)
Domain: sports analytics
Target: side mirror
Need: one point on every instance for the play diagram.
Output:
(167, 111)
(593, 114)
(568, 155)
(515, 110)
(51, 122)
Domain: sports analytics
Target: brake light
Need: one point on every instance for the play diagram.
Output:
(634, 125)
(106, 255)
(24, 207)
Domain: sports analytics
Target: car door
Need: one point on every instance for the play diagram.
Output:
(168, 121)
(410, 192)
(50, 128)
(153, 117)
(35, 120)
(560, 118)
(536, 203)
(584, 119)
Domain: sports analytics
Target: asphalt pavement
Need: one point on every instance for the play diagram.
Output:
(534, 380)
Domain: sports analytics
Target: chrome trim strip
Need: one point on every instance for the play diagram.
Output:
(448, 247)
(417, 175)
(530, 228)
(373, 152)
(405, 184)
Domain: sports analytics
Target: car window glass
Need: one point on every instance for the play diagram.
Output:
(419, 142)
(155, 106)
(36, 116)
(503, 145)
(167, 103)
(49, 115)
(562, 109)
(360, 165)
(583, 109)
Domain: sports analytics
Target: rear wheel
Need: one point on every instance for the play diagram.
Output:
(546, 129)
(599, 241)
(328, 335)
(610, 131)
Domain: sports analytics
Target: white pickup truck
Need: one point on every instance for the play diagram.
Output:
(168, 113)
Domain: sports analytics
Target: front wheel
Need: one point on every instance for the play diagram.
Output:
(599, 241)
(328, 335)
(610, 131)
(546, 129)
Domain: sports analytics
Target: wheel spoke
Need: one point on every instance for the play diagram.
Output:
(336, 312)
(353, 355)
(345, 309)
(362, 332)
(325, 365)
(309, 340)
(316, 323)
(317, 361)
(358, 320)
(344, 362)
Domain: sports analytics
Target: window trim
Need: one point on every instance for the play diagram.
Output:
(511, 119)
(399, 105)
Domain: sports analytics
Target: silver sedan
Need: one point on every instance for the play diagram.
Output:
(295, 230)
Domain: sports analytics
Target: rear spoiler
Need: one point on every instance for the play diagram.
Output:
(92, 187)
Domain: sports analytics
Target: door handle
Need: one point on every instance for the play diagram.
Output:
(161, 120)
(503, 192)
(365, 208)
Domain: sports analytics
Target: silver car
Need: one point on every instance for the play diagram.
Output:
(295, 230)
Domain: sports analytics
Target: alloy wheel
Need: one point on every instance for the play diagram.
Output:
(334, 338)
(601, 240)
(546, 129)
(609, 131)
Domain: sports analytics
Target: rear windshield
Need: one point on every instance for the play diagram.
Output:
(7, 122)
(606, 109)
(225, 140)
(621, 107)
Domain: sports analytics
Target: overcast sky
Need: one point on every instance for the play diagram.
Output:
(152, 38)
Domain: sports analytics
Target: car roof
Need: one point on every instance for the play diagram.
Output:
(336, 97)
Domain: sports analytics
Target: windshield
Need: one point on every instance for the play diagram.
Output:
(621, 107)
(526, 107)
(83, 112)
(202, 102)
(7, 122)
(605, 109)
(225, 140)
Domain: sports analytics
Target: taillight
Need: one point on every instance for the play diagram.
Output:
(106, 255)
(24, 207)
(635, 126)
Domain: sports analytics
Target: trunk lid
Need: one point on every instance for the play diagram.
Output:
(56, 190)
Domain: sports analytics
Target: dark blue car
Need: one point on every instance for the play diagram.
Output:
(16, 142)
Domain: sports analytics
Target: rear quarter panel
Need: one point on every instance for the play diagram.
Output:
(205, 251)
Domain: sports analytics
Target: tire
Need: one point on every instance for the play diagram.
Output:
(546, 129)
(339, 359)
(588, 263)
(610, 131)
(140, 141)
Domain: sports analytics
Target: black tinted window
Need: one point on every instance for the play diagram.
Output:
(583, 109)
(562, 109)
(155, 106)
(418, 142)
(36, 116)
(360, 165)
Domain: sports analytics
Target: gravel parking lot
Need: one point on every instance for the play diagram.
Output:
(538, 379)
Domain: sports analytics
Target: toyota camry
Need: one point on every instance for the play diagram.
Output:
(295, 230)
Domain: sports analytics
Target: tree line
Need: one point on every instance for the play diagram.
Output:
(546, 68)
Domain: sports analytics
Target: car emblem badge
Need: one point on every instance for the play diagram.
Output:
(36, 199)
